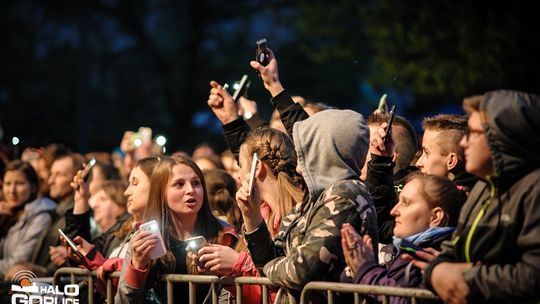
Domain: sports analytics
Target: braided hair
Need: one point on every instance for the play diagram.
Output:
(276, 150)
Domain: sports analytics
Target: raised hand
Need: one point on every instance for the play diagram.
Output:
(249, 204)
(269, 74)
(222, 104)
(377, 145)
(357, 250)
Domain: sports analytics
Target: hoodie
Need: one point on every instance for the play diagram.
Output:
(499, 225)
(22, 237)
(331, 147)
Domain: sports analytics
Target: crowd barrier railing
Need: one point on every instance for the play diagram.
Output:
(358, 289)
(78, 274)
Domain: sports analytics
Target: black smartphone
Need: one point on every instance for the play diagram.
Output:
(410, 248)
(241, 89)
(262, 55)
(389, 123)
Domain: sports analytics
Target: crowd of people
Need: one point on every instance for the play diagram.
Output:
(334, 197)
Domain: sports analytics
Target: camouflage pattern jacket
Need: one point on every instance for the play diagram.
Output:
(308, 244)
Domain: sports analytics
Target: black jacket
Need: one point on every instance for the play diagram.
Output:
(79, 225)
(499, 225)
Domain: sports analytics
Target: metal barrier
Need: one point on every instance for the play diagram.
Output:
(265, 283)
(357, 289)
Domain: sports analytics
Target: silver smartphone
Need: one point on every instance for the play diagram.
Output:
(194, 244)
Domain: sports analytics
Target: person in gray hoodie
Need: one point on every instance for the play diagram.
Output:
(331, 147)
(24, 215)
(495, 254)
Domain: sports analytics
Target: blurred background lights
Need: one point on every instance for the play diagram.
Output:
(15, 140)
(161, 140)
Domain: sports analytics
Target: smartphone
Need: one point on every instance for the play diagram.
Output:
(71, 244)
(242, 88)
(194, 244)
(410, 248)
(252, 173)
(390, 122)
(262, 55)
(87, 172)
(153, 227)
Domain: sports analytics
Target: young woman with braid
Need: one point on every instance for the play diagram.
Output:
(280, 190)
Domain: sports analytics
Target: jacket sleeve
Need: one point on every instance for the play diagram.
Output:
(25, 245)
(261, 246)
(235, 133)
(380, 184)
(289, 111)
(320, 248)
(78, 225)
(519, 280)
(131, 288)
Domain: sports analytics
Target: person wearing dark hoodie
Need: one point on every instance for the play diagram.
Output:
(331, 147)
(23, 214)
(495, 254)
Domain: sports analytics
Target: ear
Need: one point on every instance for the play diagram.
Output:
(395, 156)
(437, 217)
(452, 161)
(261, 170)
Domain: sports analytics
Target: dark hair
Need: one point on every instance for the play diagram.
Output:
(29, 173)
(404, 136)
(439, 191)
(115, 190)
(221, 189)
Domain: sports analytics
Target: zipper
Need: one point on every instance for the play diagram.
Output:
(477, 220)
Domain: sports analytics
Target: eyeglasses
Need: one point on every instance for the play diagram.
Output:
(469, 134)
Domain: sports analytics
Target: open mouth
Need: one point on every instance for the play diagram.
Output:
(191, 201)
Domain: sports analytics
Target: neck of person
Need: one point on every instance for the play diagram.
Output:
(184, 226)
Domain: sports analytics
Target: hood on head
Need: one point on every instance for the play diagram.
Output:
(331, 146)
(513, 133)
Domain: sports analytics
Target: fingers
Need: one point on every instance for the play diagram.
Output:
(432, 251)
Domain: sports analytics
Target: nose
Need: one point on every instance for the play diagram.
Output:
(189, 188)
(463, 141)
(420, 161)
(394, 212)
(51, 179)
(128, 191)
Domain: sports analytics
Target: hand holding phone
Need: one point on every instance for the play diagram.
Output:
(71, 244)
(153, 227)
(242, 87)
(194, 244)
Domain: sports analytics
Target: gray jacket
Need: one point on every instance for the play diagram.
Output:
(22, 237)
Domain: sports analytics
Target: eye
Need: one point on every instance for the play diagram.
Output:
(178, 184)
(196, 182)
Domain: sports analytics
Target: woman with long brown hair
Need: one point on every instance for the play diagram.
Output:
(179, 204)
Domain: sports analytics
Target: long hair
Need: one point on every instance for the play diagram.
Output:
(221, 189)
(276, 150)
(157, 209)
(146, 165)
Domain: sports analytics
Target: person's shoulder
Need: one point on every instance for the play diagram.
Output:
(348, 189)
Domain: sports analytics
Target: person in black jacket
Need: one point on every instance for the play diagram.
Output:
(495, 254)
